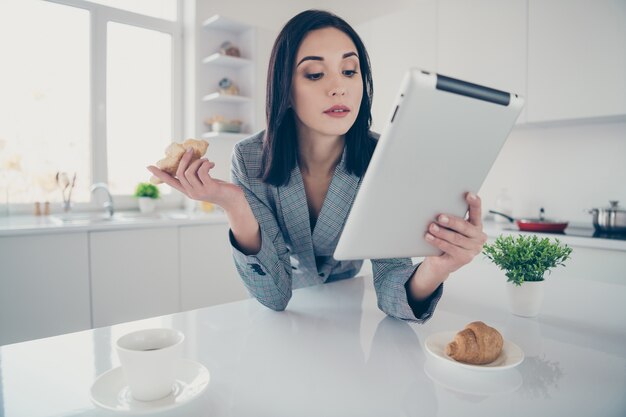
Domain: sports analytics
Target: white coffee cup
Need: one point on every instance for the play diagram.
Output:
(148, 358)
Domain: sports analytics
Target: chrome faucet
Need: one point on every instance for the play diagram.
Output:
(108, 205)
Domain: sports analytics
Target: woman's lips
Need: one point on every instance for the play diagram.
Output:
(337, 111)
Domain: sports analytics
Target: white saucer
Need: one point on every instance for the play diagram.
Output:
(110, 391)
(467, 382)
(510, 357)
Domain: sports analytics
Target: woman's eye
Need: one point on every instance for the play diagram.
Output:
(315, 76)
(349, 73)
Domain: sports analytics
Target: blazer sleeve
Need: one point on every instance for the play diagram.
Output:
(266, 274)
(391, 277)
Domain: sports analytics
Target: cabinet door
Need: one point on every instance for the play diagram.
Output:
(396, 42)
(484, 42)
(602, 265)
(134, 274)
(208, 275)
(576, 59)
(44, 286)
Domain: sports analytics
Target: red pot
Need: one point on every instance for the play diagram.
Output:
(536, 225)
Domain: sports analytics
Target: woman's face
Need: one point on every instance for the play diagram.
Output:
(327, 87)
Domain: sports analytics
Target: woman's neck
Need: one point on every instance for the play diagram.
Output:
(319, 154)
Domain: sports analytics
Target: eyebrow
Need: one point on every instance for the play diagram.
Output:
(319, 58)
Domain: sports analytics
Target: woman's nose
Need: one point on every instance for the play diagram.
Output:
(337, 91)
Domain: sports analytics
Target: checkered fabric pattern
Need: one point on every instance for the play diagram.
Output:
(291, 256)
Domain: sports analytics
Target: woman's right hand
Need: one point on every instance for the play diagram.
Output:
(193, 180)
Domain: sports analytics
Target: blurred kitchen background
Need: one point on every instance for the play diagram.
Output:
(99, 88)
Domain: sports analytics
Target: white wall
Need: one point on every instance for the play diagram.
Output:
(564, 169)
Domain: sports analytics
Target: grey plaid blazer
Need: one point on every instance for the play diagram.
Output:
(291, 256)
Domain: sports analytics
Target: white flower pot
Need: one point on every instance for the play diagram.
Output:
(147, 204)
(526, 299)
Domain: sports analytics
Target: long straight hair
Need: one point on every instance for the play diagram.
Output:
(280, 145)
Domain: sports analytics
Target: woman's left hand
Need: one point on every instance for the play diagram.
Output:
(459, 239)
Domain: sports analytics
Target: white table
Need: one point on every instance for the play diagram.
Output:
(333, 353)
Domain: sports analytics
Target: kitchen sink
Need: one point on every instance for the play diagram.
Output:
(103, 218)
(194, 215)
(184, 216)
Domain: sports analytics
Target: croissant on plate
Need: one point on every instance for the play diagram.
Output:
(477, 344)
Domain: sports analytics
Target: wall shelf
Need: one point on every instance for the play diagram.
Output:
(226, 98)
(219, 22)
(213, 66)
(225, 135)
(226, 61)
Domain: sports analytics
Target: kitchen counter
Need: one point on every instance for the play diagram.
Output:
(334, 353)
(29, 225)
(575, 235)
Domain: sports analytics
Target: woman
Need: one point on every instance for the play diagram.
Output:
(293, 184)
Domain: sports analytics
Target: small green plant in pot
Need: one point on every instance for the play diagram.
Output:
(525, 260)
(147, 194)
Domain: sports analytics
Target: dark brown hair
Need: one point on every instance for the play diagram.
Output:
(280, 146)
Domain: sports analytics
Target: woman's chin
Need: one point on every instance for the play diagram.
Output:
(337, 128)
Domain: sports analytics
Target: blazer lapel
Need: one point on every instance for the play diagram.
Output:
(335, 209)
(295, 211)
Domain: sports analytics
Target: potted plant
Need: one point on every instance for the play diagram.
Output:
(147, 194)
(526, 259)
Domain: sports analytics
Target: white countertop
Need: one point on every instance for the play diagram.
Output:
(334, 353)
(32, 225)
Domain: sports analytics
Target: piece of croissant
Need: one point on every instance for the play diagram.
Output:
(174, 153)
(477, 344)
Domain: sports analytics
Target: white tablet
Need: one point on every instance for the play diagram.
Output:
(441, 140)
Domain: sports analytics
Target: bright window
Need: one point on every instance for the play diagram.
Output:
(86, 87)
(45, 99)
(139, 103)
(163, 9)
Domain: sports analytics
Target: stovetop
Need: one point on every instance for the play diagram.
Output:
(583, 232)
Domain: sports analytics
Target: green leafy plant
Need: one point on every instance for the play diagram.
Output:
(145, 189)
(526, 258)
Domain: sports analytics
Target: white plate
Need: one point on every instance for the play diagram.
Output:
(110, 391)
(510, 357)
(465, 381)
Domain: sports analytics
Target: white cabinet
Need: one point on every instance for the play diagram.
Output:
(595, 264)
(576, 59)
(566, 57)
(134, 274)
(395, 42)
(484, 42)
(207, 270)
(44, 286)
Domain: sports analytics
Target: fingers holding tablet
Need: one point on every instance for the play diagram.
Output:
(475, 209)
(460, 240)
